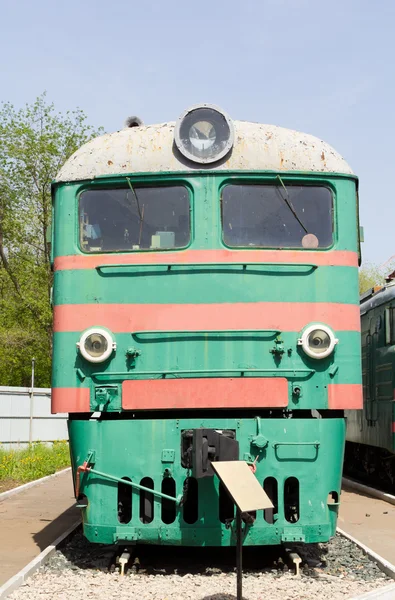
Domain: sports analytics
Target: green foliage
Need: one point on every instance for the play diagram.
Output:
(34, 143)
(38, 460)
(370, 275)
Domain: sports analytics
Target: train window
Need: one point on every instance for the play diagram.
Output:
(138, 218)
(390, 325)
(387, 326)
(378, 323)
(277, 216)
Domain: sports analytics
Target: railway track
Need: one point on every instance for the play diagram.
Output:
(76, 569)
(362, 487)
(368, 514)
(72, 568)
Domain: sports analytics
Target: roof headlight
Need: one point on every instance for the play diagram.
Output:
(204, 133)
(318, 340)
(96, 345)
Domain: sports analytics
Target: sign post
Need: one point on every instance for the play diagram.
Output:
(239, 555)
(31, 392)
(248, 495)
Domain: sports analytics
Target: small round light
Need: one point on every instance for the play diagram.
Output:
(96, 345)
(318, 341)
(204, 133)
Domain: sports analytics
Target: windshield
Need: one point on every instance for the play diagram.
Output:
(145, 218)
(277, 216)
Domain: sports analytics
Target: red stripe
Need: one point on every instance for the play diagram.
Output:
(336, 258)
(393, 427)
(248, 392)
(245, 392)
(345, 395)
(70, 400)
(284, 316)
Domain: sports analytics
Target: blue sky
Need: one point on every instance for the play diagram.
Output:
(323, 68)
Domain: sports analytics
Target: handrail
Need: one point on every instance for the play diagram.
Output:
(217, 265)
(277, 444)
(176, 332)
(106, 375)
(315, 445)
(133, 484)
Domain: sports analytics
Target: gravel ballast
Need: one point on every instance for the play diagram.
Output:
(79, 571)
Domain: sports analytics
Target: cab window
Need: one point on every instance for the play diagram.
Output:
(277, 216)
(145, 218)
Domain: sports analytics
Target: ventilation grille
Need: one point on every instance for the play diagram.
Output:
(167, 510)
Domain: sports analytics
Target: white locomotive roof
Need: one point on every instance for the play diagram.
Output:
(150, 149)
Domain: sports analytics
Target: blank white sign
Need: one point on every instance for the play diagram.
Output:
(242, 485)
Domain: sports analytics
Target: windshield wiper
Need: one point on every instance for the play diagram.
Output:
(289, 204)
(135, 197)
(141, 212)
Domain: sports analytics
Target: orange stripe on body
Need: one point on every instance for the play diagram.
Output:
(393, 427)
(284, 316)
(69, 400)
(345, 396)
(225, 393)
(336, 258)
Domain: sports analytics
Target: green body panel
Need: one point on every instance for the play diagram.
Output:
(188, 353)
(134, 449)
(126, 445)
(375, 425)
(228, 285)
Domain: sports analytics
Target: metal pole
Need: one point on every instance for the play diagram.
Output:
(31, 404)
(239, 557)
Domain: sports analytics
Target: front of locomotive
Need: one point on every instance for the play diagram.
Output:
(205, 309)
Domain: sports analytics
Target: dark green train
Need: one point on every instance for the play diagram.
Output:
(371, 433)
(205, 308)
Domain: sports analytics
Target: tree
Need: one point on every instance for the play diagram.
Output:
(34, 142)
(371, 275)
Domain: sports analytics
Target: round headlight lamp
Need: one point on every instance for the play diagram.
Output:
(318, 341)
(96, 345)
(204, 133)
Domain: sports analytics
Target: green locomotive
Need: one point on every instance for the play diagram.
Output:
(205, 308)
(370, 448)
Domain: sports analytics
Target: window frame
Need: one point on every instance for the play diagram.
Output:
(291, 181)
(136, 182)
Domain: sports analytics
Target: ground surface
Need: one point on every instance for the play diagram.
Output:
(370, 520)
(9, 484)
(33, 519)
(79, 571)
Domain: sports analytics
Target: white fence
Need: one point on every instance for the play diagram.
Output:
(26, 417)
